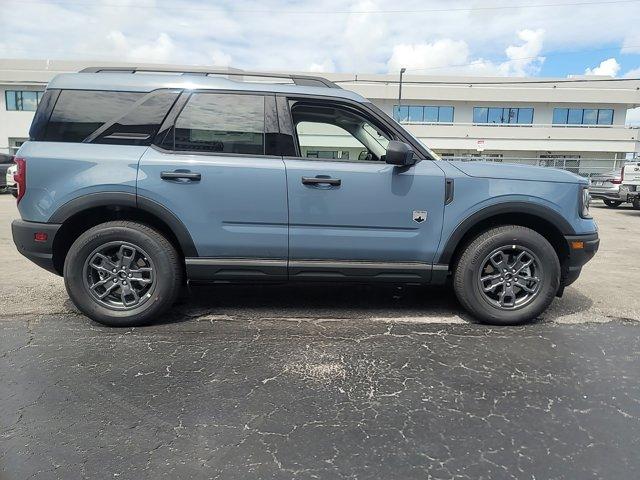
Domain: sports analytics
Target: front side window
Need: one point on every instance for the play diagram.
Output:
(221, 123)
(342, 133)
(22, 100)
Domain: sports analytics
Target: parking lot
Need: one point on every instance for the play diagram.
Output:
(324, 381)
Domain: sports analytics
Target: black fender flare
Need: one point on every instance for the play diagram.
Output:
(524, 208)
(131, 200)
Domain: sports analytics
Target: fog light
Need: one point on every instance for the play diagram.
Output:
(40, 237)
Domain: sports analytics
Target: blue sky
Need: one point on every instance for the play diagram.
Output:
(466, 37)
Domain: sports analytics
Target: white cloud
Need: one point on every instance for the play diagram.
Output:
(453, 56)
(160, 50)
(609, 67)
(220, 59)
(326, 65)
(635, 73)
(631, 43)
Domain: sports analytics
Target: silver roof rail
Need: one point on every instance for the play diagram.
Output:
(306, 80)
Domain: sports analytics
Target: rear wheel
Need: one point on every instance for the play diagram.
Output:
(122, 274)
(612, 203)
(508, 275)
(636, 203)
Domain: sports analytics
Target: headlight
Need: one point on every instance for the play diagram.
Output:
(585, 199)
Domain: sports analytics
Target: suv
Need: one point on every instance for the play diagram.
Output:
(133, 185)
(631, 183)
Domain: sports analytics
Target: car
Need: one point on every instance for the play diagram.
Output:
(134, 183)
(10, 182)
(631, 183)
(606, 187)
(6, 161)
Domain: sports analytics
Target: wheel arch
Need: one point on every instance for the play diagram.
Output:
(84, 212)
(547, 222)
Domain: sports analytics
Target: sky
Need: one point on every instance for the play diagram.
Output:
(524, 37)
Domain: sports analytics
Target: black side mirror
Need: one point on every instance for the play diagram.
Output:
(399, 153)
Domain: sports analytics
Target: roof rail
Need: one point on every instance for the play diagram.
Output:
(306, 80)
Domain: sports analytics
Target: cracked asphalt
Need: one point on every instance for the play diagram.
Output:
(329, 382)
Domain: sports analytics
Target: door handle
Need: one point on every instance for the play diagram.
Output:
(181, 175)
(321, 181)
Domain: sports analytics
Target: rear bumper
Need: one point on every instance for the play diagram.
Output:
(39, 252)
(582, 248)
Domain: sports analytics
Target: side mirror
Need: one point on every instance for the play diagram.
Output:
(399, 153)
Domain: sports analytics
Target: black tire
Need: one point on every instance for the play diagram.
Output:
(469, 269)
(636, 203)
(612, 203)
(152, 246)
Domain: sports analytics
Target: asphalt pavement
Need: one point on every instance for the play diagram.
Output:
(324, 382)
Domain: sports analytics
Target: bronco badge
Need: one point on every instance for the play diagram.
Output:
(419, 216)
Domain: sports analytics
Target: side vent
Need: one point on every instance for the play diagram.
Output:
(448, 191)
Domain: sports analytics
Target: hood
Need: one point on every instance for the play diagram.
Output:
(517, 172)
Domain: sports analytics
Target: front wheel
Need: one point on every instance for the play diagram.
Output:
(612, 203)
(122, 274)
(507, 275)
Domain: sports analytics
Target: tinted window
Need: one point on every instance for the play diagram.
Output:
(590, 116)
(605, 116)
(525, 115)
(431, 114)
(446, 114)
(575, 116)
(26, 100)
(77, 113)
(416, 114)
(560, 116)
(480, 114)
(139, 126)
(221, 123)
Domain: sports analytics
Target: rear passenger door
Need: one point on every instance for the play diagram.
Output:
(214, 171)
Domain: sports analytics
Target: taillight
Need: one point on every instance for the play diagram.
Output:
(20, 177)
(618, 181)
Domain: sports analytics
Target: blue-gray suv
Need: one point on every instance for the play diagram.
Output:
(134, 183)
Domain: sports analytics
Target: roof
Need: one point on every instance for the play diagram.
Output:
(147, 82)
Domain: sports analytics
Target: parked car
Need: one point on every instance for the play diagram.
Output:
(631, 183)
(606, 187)
(132, 185)
(10, 182)
(6, 161)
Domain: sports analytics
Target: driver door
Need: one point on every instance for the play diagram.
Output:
(349, 211)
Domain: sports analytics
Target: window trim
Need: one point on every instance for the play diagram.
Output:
(365, 109)
(292, 103)
(168, 126)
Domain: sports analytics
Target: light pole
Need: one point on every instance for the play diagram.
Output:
(402, 70)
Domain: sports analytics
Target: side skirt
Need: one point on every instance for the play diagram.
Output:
(200, 269)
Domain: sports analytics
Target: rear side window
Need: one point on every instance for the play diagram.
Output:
(78, 113)
(140, 124)
(220, 123)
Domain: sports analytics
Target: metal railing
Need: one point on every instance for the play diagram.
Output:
(585, 167)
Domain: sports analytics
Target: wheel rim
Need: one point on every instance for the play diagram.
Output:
(119, 275)
(510, 277)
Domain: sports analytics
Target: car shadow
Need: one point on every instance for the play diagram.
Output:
(341, 301)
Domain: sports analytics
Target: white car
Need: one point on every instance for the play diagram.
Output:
(631, 183)
(11, 184)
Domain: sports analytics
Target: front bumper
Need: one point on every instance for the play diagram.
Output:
(39, 252)
(582, 248)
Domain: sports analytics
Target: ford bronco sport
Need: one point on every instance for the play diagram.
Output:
(132, 185)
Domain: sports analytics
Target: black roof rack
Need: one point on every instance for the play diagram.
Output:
(306, 80)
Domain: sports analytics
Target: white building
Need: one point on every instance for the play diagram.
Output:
(576, 123)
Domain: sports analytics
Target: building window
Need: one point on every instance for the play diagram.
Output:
(523, 116)
(582, 116)
(15, 144)
(423, 114)
(25, 100)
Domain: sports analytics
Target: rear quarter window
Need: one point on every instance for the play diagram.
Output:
(121, 118)
(77, 114)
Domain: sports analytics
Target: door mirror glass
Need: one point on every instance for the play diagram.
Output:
(399, 153)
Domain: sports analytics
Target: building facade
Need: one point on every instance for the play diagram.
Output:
(577, 123)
